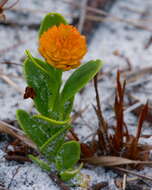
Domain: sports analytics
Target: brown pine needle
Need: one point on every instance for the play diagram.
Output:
(133, 173)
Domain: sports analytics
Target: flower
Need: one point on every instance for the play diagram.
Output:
(62, 46)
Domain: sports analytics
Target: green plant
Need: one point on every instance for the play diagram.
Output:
(62, 46)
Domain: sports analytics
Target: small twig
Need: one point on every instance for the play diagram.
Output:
(15, 45)
(2, 3)
(148, 43)
(78, 114)
(126, 59)
(133, 9)
(8, 126)
(82, 14)
(3, 188)
(90, 135)
(75, 136)
(133, 107)
(11, 83)
(142, 117)
(102, 131)
(11, 130)
(58, 181)
(90, 127)
(100, 116)
(7, 62)
(15, 173)
(109, 17)
(11, 6)
(30, 10)
(133, 173)
(124, 182)
(103, 13)
(134, 75)
(17, 158)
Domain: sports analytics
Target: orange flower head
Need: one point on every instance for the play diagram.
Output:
(63, 46)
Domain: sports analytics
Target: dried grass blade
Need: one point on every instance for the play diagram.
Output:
(6, 128)
(142, 118)
(113, 161)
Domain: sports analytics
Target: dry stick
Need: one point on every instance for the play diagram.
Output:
(8, 126)
(16, 45)
(11, 6)
(17, 169)
(90, 127)
(17, 133)
(132, 173)
(78, 114)
(124, 182)
(103, 13)
(88, 17)
(91, 17)
(82, 15)
(11, 83)
(29, 10)
(142, 118)
(7, 62)
(134, 75)
(14, 85)
(2, 3)
(90, 135)
(17, 158)
(146, 46)
(3, 188)
(133, 9)
(102, 131)
(126, 59)
(57, 180)
(101, 119)
(113, 18)
(97, 18)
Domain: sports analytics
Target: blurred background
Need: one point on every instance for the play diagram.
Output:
(119, 32)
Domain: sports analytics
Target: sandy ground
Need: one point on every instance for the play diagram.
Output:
(108, 37)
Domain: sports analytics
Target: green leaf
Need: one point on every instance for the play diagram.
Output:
(68, 155)
(37, 129)
(40, 163)
(68, 108)
(79, 78)
(52, 145)
(50, 20)
(52, 121)
(45, 81)
(69, 174)
(43, 65)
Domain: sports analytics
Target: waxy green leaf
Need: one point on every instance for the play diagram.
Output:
(52, 121)
(43, 79)
(41, 163)
(68, 155)
(38, 129)
(68, 105)
(79, 78)
(70, 173)
(52, 145)
(50, 20)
